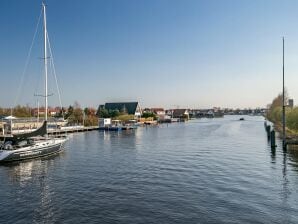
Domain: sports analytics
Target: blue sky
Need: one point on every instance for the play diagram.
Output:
(168, 53)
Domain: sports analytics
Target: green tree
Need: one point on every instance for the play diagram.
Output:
(86, 111)
(114, 113)
(275, 108)
(149, 114)
(104, 113)
(61, 113)
(69, 112)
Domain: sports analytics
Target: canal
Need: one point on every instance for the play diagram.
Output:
(204, 171)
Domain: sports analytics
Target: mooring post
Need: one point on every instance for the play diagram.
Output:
(268, 129)
(272, 138)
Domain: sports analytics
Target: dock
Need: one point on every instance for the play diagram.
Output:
(64, 131)
(72, 130)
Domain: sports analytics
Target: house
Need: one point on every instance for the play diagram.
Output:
(131, 108)
(180, 113)
(146, 110)
(160, 113)
(41, 111)
(291, 103)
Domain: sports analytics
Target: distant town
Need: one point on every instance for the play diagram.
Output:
(123, 111)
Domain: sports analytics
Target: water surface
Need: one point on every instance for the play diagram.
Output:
(203, 171)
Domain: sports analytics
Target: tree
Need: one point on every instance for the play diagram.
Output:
(77, 112)
(275, 108)
(21, 111)
(74, 113)
(277, 101)
(69, 112)
(86, 111)
(4, 111)
(61, 113)
(149, 114)
(114, 113)
(103, 113)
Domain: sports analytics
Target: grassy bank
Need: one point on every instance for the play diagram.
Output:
(275, 116)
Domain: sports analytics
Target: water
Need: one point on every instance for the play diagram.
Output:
(203, 171)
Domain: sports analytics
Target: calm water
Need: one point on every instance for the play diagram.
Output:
(203, 171)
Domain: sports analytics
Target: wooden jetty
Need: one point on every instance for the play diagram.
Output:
(72, 130)
(66, 130)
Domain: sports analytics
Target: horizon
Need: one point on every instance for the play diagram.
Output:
(142, 107)
(190, 54)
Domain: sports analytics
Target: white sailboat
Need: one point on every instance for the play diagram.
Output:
(28, 146)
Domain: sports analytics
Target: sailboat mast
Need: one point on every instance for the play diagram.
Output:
(45, 60)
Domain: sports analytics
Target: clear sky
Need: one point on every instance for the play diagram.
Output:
(162, 53)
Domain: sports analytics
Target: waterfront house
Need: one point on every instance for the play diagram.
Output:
(159, 112)
(130, 108)
(146, 110)
(180, 113)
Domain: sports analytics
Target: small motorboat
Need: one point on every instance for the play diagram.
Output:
(241, 119)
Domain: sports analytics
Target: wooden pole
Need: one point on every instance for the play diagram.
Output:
(272, 139)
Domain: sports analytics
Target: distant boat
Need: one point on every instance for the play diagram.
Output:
(29, 145)
(241, 119)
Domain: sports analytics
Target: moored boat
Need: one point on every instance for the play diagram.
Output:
(36, 143)
(107, 124)
(31, 149)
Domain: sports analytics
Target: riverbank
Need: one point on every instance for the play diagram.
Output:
(290, 134)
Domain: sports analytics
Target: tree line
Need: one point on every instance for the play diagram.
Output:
(74, 114)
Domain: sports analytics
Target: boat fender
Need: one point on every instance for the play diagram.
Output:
(8, 146)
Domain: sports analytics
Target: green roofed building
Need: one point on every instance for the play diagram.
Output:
(131, 108)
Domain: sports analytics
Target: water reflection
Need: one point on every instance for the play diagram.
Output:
(293, 156)
(33, 177)
(285, 185)
(44, 213)
(124, 139)
(21, 172)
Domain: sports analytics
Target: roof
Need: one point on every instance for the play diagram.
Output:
(157, 109)
(129, 107)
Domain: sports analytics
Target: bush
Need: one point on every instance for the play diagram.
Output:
(292, 119)
(125, 117)
(91, 120)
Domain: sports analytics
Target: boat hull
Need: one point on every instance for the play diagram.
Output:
(118, 128)
(41, 150)
(110, 128)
